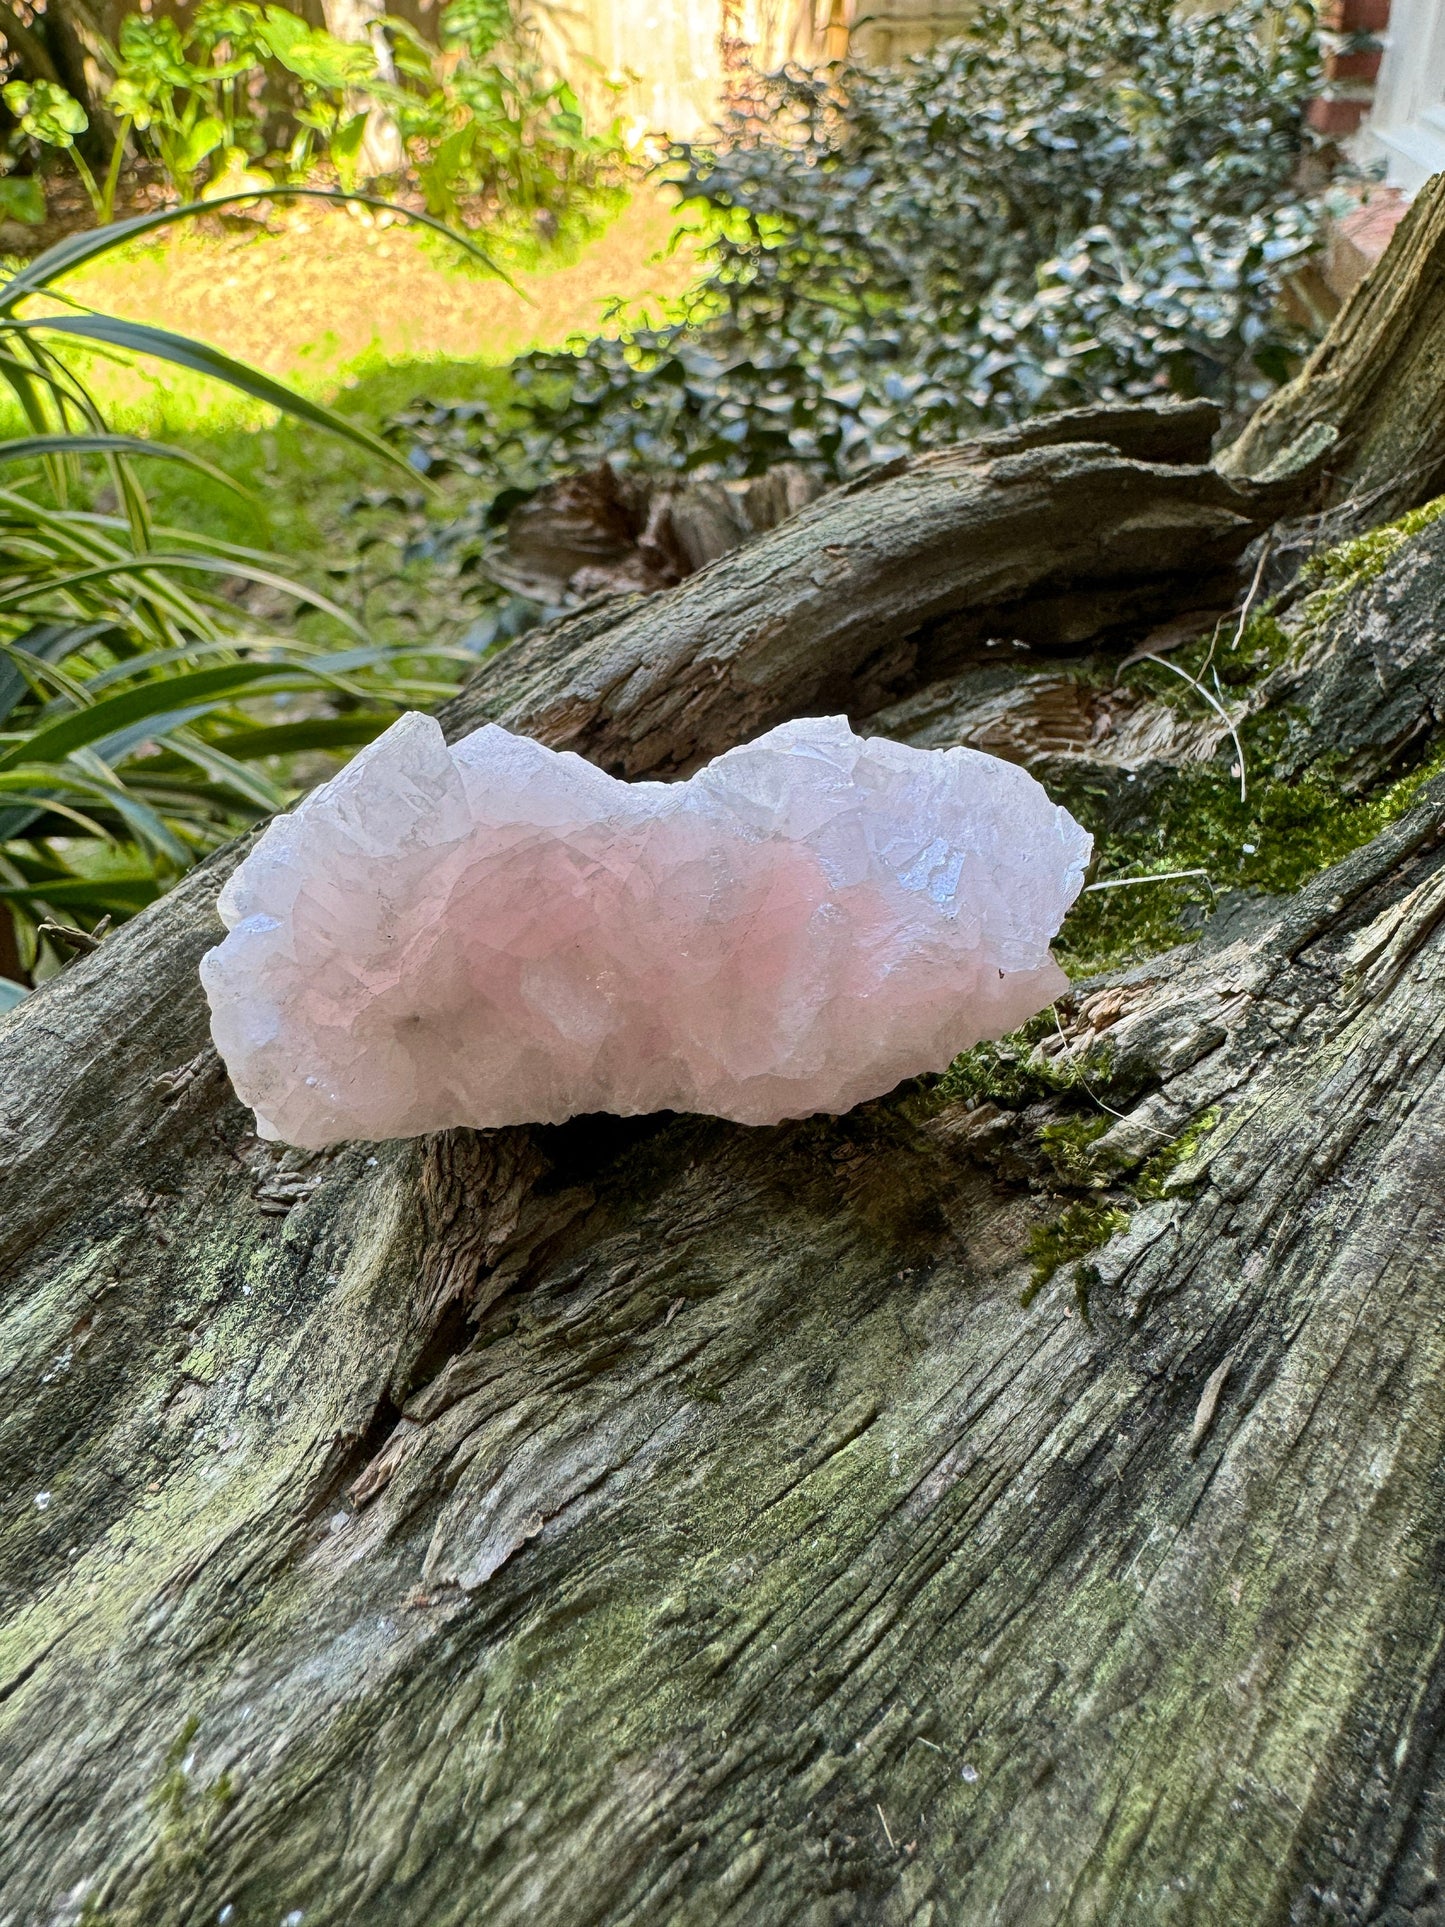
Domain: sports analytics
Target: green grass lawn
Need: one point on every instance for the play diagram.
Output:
(368, 315)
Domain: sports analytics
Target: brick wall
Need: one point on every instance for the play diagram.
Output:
(1350, 31)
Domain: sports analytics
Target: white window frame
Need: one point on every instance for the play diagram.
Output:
(1406, 127)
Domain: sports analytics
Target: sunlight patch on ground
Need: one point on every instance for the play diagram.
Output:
(329, 298)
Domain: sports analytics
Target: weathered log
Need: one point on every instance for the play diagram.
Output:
(665, 1521)
(1370, 400)
(1091, 522)
(1362, 683)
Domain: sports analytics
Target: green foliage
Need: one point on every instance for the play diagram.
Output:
(488, 117)
(22, 198)
(1013, 1071)
(189, 93)
(1066, 204)
(46, 112)
(50, 117)
(1079, 1229)
(244, 92)
(142, 720)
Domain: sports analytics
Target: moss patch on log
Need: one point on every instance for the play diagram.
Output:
(1012, 1071)
(1087, 1224)
(1067, 1143)
(1160, 1175)
(1268, 836)
(1080, 1228)
(1268, 843)
(1350, 565)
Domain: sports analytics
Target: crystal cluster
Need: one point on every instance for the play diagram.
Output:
(499, 933)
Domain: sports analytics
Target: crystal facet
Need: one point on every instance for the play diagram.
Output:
(500, 933)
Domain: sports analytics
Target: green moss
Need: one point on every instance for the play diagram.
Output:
(1013, 1071)
(1066, 1143)
(1153, 1179)
(188, 1814)
(1272, 841)
(1351, 564)
(173, 1790)
(1079, 1229)
(1264, 644)
(1086, 1224)
(1341, 572)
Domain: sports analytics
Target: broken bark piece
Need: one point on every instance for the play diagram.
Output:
(605, 532)
(1032, 716)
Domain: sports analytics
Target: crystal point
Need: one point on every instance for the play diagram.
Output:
(501, 933)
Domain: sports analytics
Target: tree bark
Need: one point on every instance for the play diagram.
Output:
(1370, 401)
(660, 1520)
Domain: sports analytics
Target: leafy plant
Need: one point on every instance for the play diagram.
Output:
(1066, 204)
(191, 96)
(485, 117)
(325, 70)
(46, 114)
(22, 199)
(243, 87)
(130, 738)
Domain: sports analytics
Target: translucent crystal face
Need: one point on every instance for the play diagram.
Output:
(499, 933)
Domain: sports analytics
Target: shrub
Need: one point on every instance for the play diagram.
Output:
(1068, 204)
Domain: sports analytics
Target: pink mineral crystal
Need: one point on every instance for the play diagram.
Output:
(499, 933)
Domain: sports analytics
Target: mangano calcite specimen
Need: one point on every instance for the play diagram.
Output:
(501, 933)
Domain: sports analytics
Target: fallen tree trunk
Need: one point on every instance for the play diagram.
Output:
(1015, 1501)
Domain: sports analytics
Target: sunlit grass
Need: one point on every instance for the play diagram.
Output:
(364, 313)
(323, 297)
